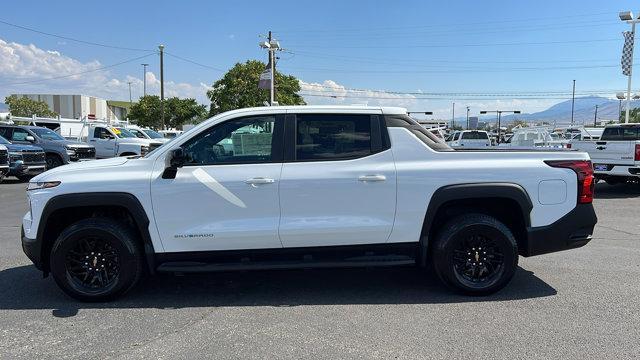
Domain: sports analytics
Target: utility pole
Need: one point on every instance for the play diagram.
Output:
(595, 117)
(573, 99)
(144, 79)
(130, 102)
(499, 118)
(453, 115)
(467, 118)
(271, 45)
(161, 47)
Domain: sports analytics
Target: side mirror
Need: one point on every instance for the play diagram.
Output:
(176, 159)
(30, 138)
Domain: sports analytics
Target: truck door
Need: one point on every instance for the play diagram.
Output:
(226, 195)
(339, 185)
(104, 142)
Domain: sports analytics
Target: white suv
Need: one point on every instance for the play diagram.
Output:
(305, 187)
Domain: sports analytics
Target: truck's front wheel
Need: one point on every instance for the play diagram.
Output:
(475, 254)
(96, 259)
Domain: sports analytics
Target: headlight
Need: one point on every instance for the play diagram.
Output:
(70, 151)
(42, 185)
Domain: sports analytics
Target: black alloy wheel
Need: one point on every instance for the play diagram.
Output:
(93, 264)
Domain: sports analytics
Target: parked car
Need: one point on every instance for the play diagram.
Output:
(616, 155)
(111, 141)
(143, 133)
(58, 150)
(306, 187)
(4, 162)
(25, 161)
(170, 134)
(469, 139)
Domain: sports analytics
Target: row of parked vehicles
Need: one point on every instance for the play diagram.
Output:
(28, 150)
(614, 149)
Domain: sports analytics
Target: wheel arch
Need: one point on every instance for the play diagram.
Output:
(73, 207)
(481, 197)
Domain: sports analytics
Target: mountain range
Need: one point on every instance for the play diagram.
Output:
(584, 111)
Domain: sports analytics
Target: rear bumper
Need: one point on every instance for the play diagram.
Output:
(618, 170)
(571, 231)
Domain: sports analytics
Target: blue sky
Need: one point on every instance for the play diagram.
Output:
(458, 47)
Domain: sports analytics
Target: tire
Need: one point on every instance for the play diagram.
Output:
(459, 259)
(88, 240)
(53, 161)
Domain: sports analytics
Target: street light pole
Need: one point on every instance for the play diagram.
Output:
(595, 117)
(499, 118)
(467, 118)
(144, 79)
(161, 47)
(573, 99)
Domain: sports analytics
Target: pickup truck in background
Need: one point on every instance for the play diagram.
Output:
(58, 150)
(111, 141)
(306, 187)
(616, 155)
(4, 161)
(469, 139)
(25, 161)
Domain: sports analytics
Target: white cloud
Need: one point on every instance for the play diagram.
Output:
(21, 63)
(334, 93)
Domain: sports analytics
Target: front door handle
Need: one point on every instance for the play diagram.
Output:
(259, 181)
(372, 178)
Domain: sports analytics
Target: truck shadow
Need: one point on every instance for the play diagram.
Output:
(621, 191)
(23, 288)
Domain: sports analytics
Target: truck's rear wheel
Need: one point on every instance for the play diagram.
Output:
(96, 259)
(475, 254)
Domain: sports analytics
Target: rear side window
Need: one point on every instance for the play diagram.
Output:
(620, 133)
(5, 132)
(332, 136)
(475, 135)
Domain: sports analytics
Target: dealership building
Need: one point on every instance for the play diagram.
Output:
(82, 106)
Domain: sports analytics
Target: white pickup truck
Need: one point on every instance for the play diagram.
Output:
(616, 155)
(469, 139)
(306, 187)
(112, 141)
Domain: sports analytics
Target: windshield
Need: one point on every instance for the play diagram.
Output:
(152, 134)
(475, 135)
(137, 133)
(124, 133)
(47, 134)
(4, 141)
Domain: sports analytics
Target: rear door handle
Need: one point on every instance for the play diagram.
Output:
(372, 178)
(259, 181)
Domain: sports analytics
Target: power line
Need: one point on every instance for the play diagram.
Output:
(518, 20)
(426, 98)
(470, 93)
(194, 62)
(469, 45)
(71, 39)
(79, 73)
(453, 70)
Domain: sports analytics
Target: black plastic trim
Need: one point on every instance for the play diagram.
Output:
(472, 191)
(78, 200)
(569, 232)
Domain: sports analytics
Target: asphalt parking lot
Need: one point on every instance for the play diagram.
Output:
(578, 304)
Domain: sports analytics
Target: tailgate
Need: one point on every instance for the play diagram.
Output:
(613, 152)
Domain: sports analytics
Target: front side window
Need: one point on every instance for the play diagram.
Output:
(246, 140)
(456, 136)
(47, 134)
(332, 137)
(19, 135)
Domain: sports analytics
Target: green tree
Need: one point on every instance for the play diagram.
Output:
(634, 115)
(238, 88)
(23, 106)
(147, 112)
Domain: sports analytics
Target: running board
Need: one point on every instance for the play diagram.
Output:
(189, 266)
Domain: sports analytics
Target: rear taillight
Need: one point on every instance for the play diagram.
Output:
(584, 171)
(637, 157)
